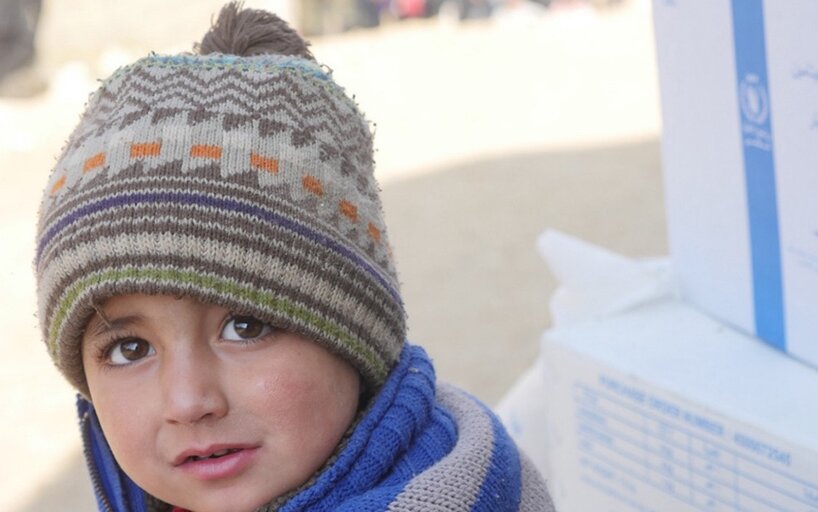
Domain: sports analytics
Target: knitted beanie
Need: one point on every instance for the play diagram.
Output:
(240, 176)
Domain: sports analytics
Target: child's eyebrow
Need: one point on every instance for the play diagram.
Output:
(106, 325)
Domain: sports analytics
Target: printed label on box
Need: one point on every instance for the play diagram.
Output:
(624, 445)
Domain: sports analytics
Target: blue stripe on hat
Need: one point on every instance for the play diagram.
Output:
(231, 205)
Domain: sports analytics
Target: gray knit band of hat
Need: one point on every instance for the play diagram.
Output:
(244, 181)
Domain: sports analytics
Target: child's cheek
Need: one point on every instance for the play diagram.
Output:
(309, 402)
(132, 433)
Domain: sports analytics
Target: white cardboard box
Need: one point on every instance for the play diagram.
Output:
(662, 409)
(739, 89)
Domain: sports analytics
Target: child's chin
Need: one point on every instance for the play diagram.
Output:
(225, 503)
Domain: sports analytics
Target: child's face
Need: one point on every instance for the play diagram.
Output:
(175, 379)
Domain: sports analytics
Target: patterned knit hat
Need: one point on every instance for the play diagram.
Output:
(241, 176)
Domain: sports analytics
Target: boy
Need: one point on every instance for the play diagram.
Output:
(214, 278)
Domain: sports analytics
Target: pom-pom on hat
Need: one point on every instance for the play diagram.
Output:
(241, 176)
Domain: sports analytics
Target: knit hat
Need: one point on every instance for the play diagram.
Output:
(241, 176)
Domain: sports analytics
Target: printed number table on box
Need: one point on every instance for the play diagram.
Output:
(739, 90)
(663, 409)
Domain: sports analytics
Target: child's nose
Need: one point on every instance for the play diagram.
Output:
(192, 388)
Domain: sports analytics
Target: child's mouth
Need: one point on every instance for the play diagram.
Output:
(217, 463)
(214, 455)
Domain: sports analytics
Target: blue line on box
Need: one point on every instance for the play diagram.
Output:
(759, 170)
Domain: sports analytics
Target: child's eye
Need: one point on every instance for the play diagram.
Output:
(129, 350)
(242, 328)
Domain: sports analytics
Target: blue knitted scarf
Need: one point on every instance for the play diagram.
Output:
(420, 446)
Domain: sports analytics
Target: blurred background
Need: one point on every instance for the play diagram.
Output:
(495, 120)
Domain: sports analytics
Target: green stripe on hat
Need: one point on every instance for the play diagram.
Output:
(220, 286)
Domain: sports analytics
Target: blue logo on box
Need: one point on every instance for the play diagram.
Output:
(755, 103)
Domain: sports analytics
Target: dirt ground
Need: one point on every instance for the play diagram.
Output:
(487, 134)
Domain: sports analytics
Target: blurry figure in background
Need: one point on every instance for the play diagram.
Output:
(475, 9)
(18, 28)
(409, 8)
(543, 3)
(605, 3)
(317, 17)
(461, 9)
(517, 11)
(369, 12)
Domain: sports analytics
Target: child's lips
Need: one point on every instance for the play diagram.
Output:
(215, 450)
(215, 462)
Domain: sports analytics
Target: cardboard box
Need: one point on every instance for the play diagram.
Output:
(739, 89)
(662, 409)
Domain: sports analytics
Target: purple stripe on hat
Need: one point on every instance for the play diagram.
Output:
(214, 202)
